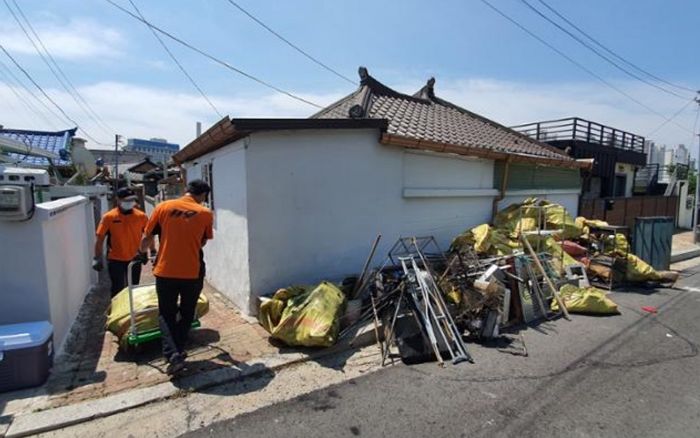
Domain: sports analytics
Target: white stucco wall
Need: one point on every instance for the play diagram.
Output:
(68, 241)
(226, 256)
(46, 264)
(317, 199)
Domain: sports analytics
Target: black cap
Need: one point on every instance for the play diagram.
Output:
(125, 192)
(198, 187)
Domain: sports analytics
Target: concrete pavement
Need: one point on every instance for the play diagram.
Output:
(683, 247)
(630, 375)
(479, 399)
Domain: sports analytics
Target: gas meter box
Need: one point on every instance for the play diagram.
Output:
(16, 202)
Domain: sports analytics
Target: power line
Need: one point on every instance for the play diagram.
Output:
(87, 107)
(290, 44)
(48, 64)
(32, 109)
(601, 55)
(31, 94)
(213, 58)
(578, 64)
(4, 79)
(653, 131)
(613, 53)
(175, 60)
(53, 102)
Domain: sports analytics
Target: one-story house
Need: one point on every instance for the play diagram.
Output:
(300, 200)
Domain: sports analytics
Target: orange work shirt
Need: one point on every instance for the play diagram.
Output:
(123, 232)
(182, 225)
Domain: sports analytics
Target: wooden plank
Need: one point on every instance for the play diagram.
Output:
(554, 290)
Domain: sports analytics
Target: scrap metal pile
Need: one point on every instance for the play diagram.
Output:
(428, 302)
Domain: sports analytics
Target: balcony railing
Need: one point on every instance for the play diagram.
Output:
(582, 130)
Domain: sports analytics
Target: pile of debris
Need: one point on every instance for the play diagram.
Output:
(427, 302)
(534, 263)
(601, 249)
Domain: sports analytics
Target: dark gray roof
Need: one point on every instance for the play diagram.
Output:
(425, 116)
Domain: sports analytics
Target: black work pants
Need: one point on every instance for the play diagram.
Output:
(117, 274)
(177, 304)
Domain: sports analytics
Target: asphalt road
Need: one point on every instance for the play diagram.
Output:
(632, 375)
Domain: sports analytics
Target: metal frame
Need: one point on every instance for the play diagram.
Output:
(133, 335)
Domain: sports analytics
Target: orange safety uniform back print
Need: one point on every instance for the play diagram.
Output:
(182, 225)
(123, 233)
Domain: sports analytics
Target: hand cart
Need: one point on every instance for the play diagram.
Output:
(134, 338)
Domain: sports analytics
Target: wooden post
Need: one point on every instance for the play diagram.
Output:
(527, 246)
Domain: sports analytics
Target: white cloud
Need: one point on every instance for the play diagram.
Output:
(140, 111)
(80, 38)
(145, 112)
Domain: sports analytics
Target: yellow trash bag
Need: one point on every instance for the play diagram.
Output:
(304, 316)
(589, 300)
(558, 218)
(146, 300)
(560, 258)
(639, 270)
(486, 240)
(533, 213)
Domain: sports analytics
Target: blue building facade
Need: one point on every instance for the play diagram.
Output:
(156, 148)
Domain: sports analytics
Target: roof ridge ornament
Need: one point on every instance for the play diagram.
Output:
(356, 112)
(364, 74)
(430, 87)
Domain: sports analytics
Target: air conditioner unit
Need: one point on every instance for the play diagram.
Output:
(21, 176)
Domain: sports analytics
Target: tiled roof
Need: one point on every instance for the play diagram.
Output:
(426, 117)
(46, 140)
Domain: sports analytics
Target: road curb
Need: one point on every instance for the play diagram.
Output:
(64, 416)
(685, 255)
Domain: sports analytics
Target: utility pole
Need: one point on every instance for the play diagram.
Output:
(165, 165)
(697, 183)
(116, 167)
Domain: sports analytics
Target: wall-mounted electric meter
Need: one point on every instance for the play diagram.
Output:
(16, 202)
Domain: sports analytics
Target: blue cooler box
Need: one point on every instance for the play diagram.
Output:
(26, 354)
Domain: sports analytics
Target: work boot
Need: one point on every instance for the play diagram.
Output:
(175, 364)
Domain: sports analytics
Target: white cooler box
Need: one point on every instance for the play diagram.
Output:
(26, 354)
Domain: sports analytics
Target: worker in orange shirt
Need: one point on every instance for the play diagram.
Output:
(123, 227)
(183, 226)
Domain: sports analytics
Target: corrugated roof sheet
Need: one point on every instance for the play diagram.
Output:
(46, 140)
(424, 116)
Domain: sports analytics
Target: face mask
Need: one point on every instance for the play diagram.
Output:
(127, 205)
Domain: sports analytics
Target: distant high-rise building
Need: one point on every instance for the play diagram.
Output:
(682, 154)
(156, 148)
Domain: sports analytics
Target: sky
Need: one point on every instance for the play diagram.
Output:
(479, 59)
